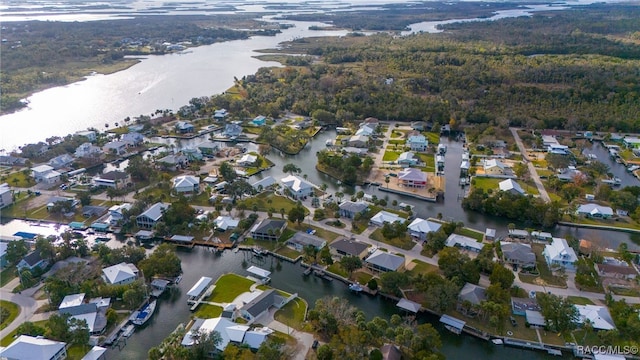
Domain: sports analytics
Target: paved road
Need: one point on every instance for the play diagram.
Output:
(532, 170)
(304, 339)
(28, 305)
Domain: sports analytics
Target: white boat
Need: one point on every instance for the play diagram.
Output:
(497, 341)
(145, 314)
(356, 287)
(128, 330)
(633, 168)
(178, 279)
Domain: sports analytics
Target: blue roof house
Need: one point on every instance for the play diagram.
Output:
(259, 120)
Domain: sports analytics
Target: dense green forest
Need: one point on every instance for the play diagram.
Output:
(509, 72)
(39, 54)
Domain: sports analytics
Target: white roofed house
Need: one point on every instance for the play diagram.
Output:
(299, 187)
(186, 184)
(152, 215)
(412, 177)
(359, 141)
(229, 331)
(6, 196)
(511, 186)
(61, 161)
(247, 160)
(407, 159)
(598, 316)
(383, 217)
(45, 174)
(559, 253)
(464, 242)
(417, 142)
(494, 167)
(116, 147)
(120, 274)
(595, 211)
(419, 228)
(27, 347)
(264, 183)
(365, 131)
(87, 150)
(225, 223)
(116, 213)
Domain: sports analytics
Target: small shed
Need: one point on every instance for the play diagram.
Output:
(535, 318)
(261, 273)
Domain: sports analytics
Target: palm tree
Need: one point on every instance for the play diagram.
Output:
(323, 187)
(387, 180)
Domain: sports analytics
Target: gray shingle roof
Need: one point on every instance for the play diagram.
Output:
(350, 247)
(385, 260)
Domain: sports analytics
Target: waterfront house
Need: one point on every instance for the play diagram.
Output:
(120, 274)
(303, 124)
(6, 196)
(116, 213)
(225, 223)
(184, 127)
(232, 130)
(383, 217)
(365, 131)
(617, 271)
(133, 138)
(464, 243)
(89, 134)
(186, 184)
(518, 254)
(259, 120)
(349, 209)
(417, 142)
(198, 289)
(407, 159)
(247, 160)
(113, 179)
(87, 150)
(519, 306)
(96, 353)
(34, 348)
(472, 293)
(511, 186)
(541, 235)
(68, 203)
(152, 215)
(115, 147)
(358, 141)
(569, 174)
(260, 304)
(268, 229)
(489, 235)
(264, 183)
(173, 162)
(558, 149)
(208, 148)
(89, 312)
(229, 332)
(412, 177)
(494, 167)
(419, 126)
(631, 142)
(32, 260)
(220, 114)
(559, 253)
(8, 160)
(381, 261)
(419, 228)
(192, 153)
(299, 187)
(61, 161)
(598, 316)
(595, 211)
(346, 247)
(301, 240)
(518, 234)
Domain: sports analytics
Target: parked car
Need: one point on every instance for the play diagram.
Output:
(315, 344)
(513, 321)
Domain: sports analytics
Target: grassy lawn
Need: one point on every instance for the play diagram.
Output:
(266, 244)
(289, 252)
(434, 138)
(546, 276)
(403, 242)
(422, 267)
(7, 275)
(470, 233)
(14, 311)
(336, 268)
(579, 300)
(603, 222)
(544, 173)
(485, 183)
(228, 287)
(429, 161)
(8, 339)
(390, 155)
(293, 314)
(624, 291)
(528, 188)
(320, 232)
(268, 200)
(77, 352)
(362, 277)
(20, 179)
(207, 311)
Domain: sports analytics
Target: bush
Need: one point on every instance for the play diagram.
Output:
(372, 284)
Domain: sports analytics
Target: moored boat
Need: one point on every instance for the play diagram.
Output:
(145, 314)
(355, 287)
(128, 330)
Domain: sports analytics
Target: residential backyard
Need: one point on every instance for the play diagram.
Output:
(545, 277)
(293, 314)
(228, 287)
